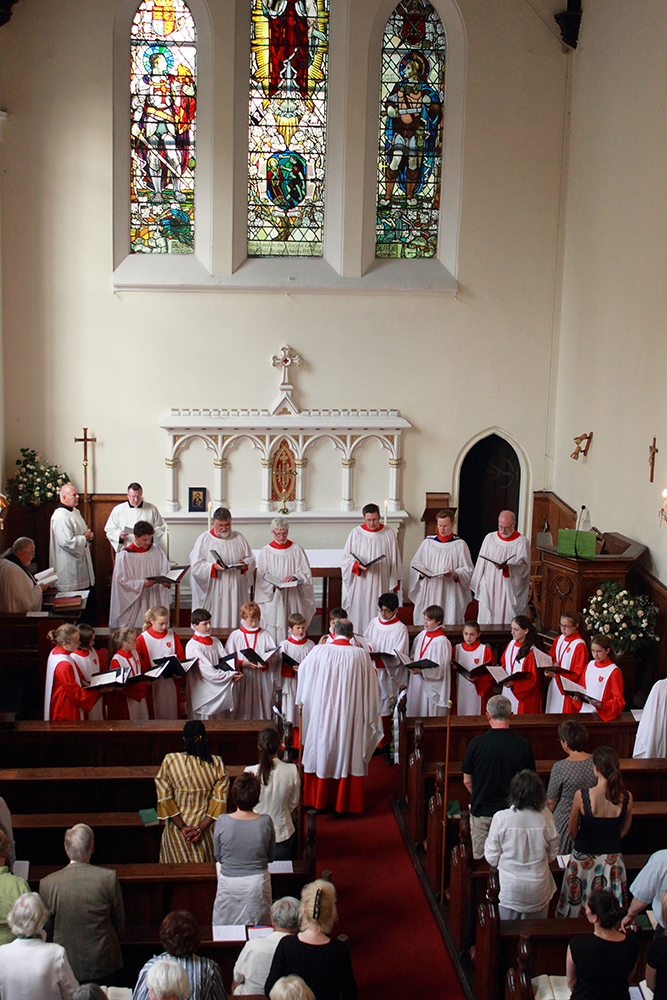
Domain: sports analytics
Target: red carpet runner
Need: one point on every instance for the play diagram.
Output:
(397, 951)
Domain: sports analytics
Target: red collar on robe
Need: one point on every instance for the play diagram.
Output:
(59, 650)
(392, 621)
(135, 548)
(341, 640)
(605, 663)
(571, 638)
(372, 530)
(470, 649)
(436, 631)
(82, 652)
(251, 631)
(157, 635)
(443, 538)
(126, 653)
(515, 534)
(205, 640)
(275, 545)
(297, 642)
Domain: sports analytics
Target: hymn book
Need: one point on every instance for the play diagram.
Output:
(369, 562)
(169, 666)
(550, 988)
(174, 575)
(281, 584)
(501, 676)
(429, 574)
(470, 673)
(424, 664)
(122, 541)
(496, 564)
(252, 656)
(106, 678)
(227, 663)
(48, 576)
(289, 661)
(221, 562)
(571, 687)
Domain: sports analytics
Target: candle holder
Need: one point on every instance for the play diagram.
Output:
(284, 509)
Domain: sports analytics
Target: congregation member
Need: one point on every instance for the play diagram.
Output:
(385, 634)
(87, 916)
(501, 579)
(522, 843)
(291, 988)
(180, 938)
(651, 738)
(297, 646)
(87, 659)
(66, 697)
(603, 682)
(522, 656)
(11, 887)
(472, 695)
(130, 701)
(284, 562)
(490, 763)
(254, 963)
(31, 968)
(441, 571)
(156, 641)
(221, 571)
(280, 787)
(341, 723)
(647, 890)
(656, 959)
(19, 591)
(363, 583)
(253, 697)
(568, 776)
(570, 652)
(598, 964)
(209, 690)
(600, 818)
(428, 687)
(69, 549)
(7, 829)
(167, 980)
(126, 514)
(132, 590)
(191, 791)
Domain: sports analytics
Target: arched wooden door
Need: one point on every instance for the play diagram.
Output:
(489, 482)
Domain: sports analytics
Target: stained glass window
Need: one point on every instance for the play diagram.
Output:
(162, 128)
(288, 124)
(412, 93)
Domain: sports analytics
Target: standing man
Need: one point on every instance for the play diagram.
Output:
(132, 593)
(221, 585)
(341, 724)
(281, 561)
(19, 591)
(441, 572)
(490, 763)
(502, 574)
(363, 584)
(125, 515)
(69, 552)
(87, 914)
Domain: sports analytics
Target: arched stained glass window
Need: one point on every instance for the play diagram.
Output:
(162, 129)
(288, 125)
(412, 94)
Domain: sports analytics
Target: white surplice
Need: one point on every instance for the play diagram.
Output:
(361, 590)
(18, 591)
(210, 692)
(428, 691)
(253, 695)
(452, 595)
(124, 515)
(468, 702)
(138, 710)
(384, 637)
(152, 646)
(651, 739)
(88, 663)
(130, 600)
(501, 598)
(222, 594)
(56, 656)
(287, 679)
(277, 605)
(69, 552)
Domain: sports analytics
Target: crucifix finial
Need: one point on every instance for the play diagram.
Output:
(652, 452)
(286, 360)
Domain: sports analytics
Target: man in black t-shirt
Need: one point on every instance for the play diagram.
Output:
(490, 763)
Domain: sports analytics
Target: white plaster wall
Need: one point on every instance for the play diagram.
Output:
(613, 353)
(116, 363)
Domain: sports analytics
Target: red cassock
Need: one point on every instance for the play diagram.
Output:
(68, 697)
(525, 694)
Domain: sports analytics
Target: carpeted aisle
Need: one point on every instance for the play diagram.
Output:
(397, 951)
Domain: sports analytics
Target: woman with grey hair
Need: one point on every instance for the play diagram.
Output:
(254, 962)
(167, 980)
(29, 966)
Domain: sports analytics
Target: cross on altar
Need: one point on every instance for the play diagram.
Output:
(286, 360)
(652, 452)
(85, 440)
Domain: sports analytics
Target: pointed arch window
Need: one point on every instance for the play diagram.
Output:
(412, 97)
(163, 81)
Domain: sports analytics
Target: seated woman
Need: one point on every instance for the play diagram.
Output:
(600, 817)
(522, 842)
(279, 794)
(567, 777)
(598, 964)
(167, 980)
(29, 967)
(179, 935)
(291, 988)
(244, 843)
(656, 960)
(322, 963)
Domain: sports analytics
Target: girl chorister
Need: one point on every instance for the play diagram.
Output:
(570, 652)
(158, 640)
(603, 681)
(130, 703)
(66, 697)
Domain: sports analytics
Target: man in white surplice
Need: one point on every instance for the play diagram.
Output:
(363, 584)
(440, 573)
(502, 573)
(217, 586)
(341, 724)
(651, 739)
(132, 593)
(125, 515)
(282, 561)
(69, 551)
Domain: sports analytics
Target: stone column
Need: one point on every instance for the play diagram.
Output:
(394, 483)
(301, 464)
(220, 464)
(267, 466)
(173, 505)
(347, 502)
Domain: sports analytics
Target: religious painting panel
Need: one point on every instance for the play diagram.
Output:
(287, 127)
(162, 128)
(283, 474)
(412, 95)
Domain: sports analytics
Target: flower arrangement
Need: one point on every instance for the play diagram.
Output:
(35, 481)
(628, 620)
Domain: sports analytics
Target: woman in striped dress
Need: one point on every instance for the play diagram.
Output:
(192, 792)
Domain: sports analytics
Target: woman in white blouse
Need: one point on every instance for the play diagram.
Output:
(279, 796)
(522, 842)
(29, 966)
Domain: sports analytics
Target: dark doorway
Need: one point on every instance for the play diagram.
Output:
(489, 482)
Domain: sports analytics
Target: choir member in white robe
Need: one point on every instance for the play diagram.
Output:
(651, 739)
(428, 689)
(69, 551)
(341, 723)
(156, 641)
(570, 652)
(253, 697)
(445, 559)
(210, 691)
(132, 593)
(385, 634)
(284, 561)
(472, 695)
(215, 587)
(361, 586)
(603, 682)
(64, 640)
(19, 591)
(297, 646)
(129, 702)
(125, 515)
(502, 590)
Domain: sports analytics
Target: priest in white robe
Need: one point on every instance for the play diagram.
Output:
(283, 562)
(125, 515)
(363, 584)
(341, 724)
(132, 593)
(441, 572)
(651, 739)
(218, 582)
(19, 591)
(501, 580)
(69, 551)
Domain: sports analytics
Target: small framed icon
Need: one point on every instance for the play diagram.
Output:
(197, 499)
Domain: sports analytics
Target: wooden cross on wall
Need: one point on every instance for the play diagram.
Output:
(652, 452)
(85, 440)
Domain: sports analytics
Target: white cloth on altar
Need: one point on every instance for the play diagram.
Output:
(69, 552)
(253, 695)
(651, 739)
(298, 650)
(277, 605)
(164, 691)
(130, 600)
(88, 663)
(224, 594)
(453, 596)
(18, 591)
(360, 593)
(501, 598)
(124, 515)
(210, 692)
(341, 723)
(385, 637)
(428, 691)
